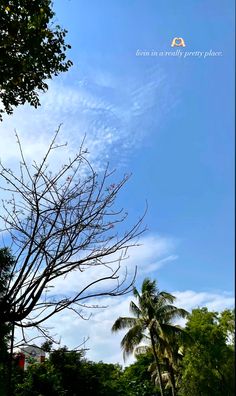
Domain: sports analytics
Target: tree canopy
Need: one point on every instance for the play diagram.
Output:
(32, 50)
(208, 364)
(69, 373)
(136, 379)
(6, 262)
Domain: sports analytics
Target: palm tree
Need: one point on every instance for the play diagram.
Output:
(171, 352)
(153, 313)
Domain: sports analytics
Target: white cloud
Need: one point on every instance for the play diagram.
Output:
(113, 113)
(104, 345)
(154, 252)
(190, 299)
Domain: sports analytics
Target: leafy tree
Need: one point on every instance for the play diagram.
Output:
(209, 362)
(59, 222)
(227, 325)
(153, 317)
(101, 379)
(39, 379)
(80, 376)
(32, 50)
(69, 373)
(67, 365)
(47, 345)
(136, 379)
(6, 263)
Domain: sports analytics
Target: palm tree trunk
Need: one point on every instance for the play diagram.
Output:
(157, 363)
(172, 378)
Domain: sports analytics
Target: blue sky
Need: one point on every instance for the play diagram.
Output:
(183, 163)
(167, 120)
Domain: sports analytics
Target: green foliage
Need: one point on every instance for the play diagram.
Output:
(68, 366)
(205, 370)
(101, 379)
(31, 51)
(40, 379)
(47, 346)
(227, 325)
(208, 363)
(6, 263)
(69, 373)
(136, 379)
(81, 377)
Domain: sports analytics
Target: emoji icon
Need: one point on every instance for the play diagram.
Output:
(178, 42)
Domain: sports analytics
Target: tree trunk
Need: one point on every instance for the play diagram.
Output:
(157, 363)
(10, 362)
(172, 378)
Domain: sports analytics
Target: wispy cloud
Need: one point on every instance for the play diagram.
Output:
(114, 113)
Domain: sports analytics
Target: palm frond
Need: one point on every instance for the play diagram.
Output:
(136, 293)
(132, 339)
(170, 330)
(149, 287)
(123, 323)
(166, 297)
(169, 313)
(135, 310)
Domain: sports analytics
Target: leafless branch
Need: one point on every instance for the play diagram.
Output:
(57, 223)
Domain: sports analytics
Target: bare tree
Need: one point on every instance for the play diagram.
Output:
(56, 223)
